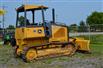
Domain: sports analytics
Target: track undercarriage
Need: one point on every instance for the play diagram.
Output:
(37, 52)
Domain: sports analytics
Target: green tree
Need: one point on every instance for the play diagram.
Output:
(73, 28)
(11, 27)
(82, 27)
(21, 20)
(95, 20)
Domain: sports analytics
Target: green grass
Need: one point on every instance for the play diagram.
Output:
(6, 55)
(96, 46)
(96, 51)
(94, 39)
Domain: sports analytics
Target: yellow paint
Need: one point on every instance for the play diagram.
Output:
(31, 36)
(31, 7)
(31, 54)
(55, 51)
(83, 44)
(59, 33)
(19, 51)
(33, 32)
(2, 12)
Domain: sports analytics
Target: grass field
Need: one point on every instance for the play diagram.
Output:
(79, 60)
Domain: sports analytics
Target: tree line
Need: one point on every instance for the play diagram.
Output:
(93, 23)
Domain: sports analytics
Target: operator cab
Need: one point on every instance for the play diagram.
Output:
(23, 21)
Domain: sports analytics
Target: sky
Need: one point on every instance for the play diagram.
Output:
(67, 11)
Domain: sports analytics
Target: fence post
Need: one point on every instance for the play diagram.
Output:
(89, 31)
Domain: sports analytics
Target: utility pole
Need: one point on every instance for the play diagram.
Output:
(3, 20)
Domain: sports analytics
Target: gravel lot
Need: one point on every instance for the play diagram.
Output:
(56, 63)
(79, 60)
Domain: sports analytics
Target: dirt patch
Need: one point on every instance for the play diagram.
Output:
(56, 63)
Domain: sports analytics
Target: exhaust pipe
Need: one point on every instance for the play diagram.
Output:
(53, 15)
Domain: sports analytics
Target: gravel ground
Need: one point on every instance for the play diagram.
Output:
(79, 60)
(68, 62)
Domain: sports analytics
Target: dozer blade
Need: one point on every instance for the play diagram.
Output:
(83, 44)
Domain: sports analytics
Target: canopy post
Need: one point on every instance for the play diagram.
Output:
(33, 16)
(17, 18)
(43, 18)
(25, 18)
(53, 15)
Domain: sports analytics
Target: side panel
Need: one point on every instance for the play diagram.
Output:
(34, 32)
(19, 35)
(59, 34)
(31, 35)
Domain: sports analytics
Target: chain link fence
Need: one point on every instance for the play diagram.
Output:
(94, 33)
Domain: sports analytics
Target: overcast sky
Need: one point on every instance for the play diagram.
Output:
(67, 11)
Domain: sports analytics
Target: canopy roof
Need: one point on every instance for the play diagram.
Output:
(30, 7)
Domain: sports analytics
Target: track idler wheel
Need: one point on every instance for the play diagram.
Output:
(29, 55)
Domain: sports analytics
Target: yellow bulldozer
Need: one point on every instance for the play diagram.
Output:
(35, 40)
